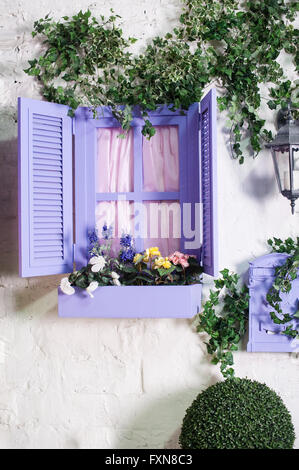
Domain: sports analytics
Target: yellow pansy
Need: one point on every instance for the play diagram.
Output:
(154, 251)
(151, 253)
(166, 264)
(162, 263)
(146, 256)
(137, 258)
(158, 262)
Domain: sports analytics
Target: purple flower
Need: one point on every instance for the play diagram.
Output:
(127, 255)
(107, 232)
(93, 237)
(126, 240)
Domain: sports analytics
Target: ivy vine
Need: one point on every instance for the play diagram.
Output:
(234, 44)
(225, 314)
(284, 275)
(224, 318)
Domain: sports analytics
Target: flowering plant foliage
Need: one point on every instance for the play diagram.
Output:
(129, 267)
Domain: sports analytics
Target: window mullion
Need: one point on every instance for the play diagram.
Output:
(118, 196)
(183, 165)
(138, 186)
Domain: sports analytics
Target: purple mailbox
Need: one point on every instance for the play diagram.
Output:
(264, 334)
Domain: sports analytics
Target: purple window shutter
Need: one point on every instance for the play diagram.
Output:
(45, 188)
(208, 135)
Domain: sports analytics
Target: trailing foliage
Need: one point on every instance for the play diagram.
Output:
(284, 275)
(234, 44)
(227, 326)
(237, 414)
(225, 314)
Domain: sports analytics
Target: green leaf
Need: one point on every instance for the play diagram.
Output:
(165, 272)
(296, 315)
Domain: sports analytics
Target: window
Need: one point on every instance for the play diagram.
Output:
(163, 190)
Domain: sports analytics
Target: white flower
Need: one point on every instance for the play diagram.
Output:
(114, 275)
(66, 287)
(295, 343)
(116, 282)
(98, 263)
(92, 287)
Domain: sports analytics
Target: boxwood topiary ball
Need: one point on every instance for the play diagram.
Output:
(237, 414)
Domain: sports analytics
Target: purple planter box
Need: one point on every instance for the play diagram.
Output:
(132, 302)
(264, 334)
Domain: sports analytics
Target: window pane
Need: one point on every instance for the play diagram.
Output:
(284, 169)
(116, 214)
(160, 222)
(114, 161)
(161, 160)
(163, 219)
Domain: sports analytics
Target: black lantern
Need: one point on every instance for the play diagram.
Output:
(285, 147)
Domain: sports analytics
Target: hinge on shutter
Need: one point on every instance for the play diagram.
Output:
(199, 121)
(73, 125)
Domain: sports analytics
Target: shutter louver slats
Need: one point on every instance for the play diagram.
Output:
(46, 188)
(209, 183)
(206, 176)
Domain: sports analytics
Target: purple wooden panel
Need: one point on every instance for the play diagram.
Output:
(138, 175)
(85, 149)
(264, 334)
(45, 188)
(132, 302)
(105, 112)
(191, 216)
(141, 196)
(208, 134)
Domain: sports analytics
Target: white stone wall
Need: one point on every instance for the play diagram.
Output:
(115, 383)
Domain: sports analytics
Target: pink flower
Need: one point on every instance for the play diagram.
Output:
(174, 259)
(184, 262)
(179, 258)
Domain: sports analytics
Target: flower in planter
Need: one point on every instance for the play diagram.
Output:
(107, 232)
(96, 247)
(162, 263)
(115, 279)
(137, 258)
(91, 288)
(151, 253)
(179, 258)
(126, 240)
(127, 252)
(66, 287)
(98, 263)
(127, 255)
(131, 268)
(93, 237)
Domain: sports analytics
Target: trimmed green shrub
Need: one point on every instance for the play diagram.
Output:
(237, 414)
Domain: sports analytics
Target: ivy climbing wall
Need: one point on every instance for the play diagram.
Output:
(67, 383)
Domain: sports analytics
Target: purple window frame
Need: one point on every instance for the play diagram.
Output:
(198, 179)
(85, 168)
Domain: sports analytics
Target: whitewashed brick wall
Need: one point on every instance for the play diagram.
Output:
(115, 383)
